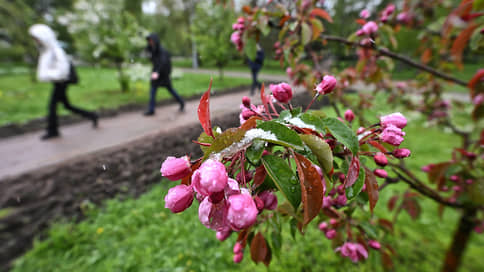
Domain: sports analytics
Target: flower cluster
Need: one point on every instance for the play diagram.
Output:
(248, 110)
(236, 37)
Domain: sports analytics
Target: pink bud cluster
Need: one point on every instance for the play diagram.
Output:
(336, 197)
(282, 92)
(236, 37)
(248, 110)
(392, 126)
(327, 85)
(354, 251)
(369, 29)
(387, 12)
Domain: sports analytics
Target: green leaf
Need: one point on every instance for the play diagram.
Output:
(321, 149)
(342, 133)
(224, 140)
(305, 33)
(478, 5)
(254, 152)
(280, 134)
(284, 179)
(250, 48)
(355, 189)
(276, 241)
(370, 230)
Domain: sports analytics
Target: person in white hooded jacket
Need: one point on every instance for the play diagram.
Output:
(54, 66)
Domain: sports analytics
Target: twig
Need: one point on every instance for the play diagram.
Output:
(388, 53)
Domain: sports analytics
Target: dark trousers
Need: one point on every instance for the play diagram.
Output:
(172, 91)
(59, 94)
(255, 84)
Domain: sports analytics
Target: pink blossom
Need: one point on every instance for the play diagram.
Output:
(349, 115)
(380, 159)
(389, 10)
(238, 247)
(269, 199)
(404, 17)
(341, 200)
(365, 14)
(427, 168)
(222, 235)
(211, 177)
(478, 99)
(374, 244)
(396, 119)
(370, 28)
(323, 226)
(327, 202)
(354, 251)
(238, 257)
(213, 216)
(175, 168)
(392, 135)
(179, 198)
(247, 113)
(454, 178)
(330, 234)
(401, 153)
(246, 101)
(242, 212)
(327, 85)
(232, 188)
(289, 72)
(235, 37)
(381, 173)
(282, 92)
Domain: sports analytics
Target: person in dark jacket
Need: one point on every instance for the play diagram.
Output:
(255, 67)
(54, 67)
(160, 75)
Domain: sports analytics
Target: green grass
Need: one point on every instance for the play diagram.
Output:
(140, 235)
(270, 66)
(22, 100)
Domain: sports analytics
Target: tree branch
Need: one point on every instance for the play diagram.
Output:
(388, 53)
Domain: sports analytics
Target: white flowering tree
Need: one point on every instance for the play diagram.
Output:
(105, 32)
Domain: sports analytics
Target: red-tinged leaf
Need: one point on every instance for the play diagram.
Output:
(242, 237)
(188, 179)
(386, 224)
(267, 260)
(371, 188)
(411, 206)
(331, 213)
(353, 172)
(284, 20)
(317, 28)
(392, 201)
(322, 13)
(264, 99)
(312, 189)
(436, 173)
(378, 146)
(411, 194)
(250, 123)
(247, 9)
(476, 84)
(258, 248)
(460, 43)
(361, 21)
(259, 176)
(386, 260)
(204, 112)
(426, 56)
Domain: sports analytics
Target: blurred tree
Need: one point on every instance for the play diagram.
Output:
(105, 32)
(212, 30)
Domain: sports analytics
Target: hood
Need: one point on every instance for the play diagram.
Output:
(44, 34)
(157, 45)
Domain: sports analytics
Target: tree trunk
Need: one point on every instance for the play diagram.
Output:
(221, 72)
(122, 79)
(462, 234)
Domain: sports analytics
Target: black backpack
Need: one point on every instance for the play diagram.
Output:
(73, 77)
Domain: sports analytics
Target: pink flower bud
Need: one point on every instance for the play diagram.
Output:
(269, 199)
(365, 14)
(327, 202)
(427, 168)
(259, 203)
(333, 222)
(444, 189)
(327, 85)
(242, 211)
(232, 188)
(354, 251)
(340, 189)
(360, 32)
(374, 244)
(401, 153)
(341, 200)
(478, 99)
(469, 181)
(323, 226)
(247, 113)
(211, 177)
(392, 135)
(384, 18)
(235, 38)
(381, 173)
(179, 198)
(238, 257)
(404, 17)
(330, 234)
(282, 92)
(175, 168)
(454, 178)
(240, 20)
(389, 9)
(396, 119)
(222, 235)
(213, 216)
(246, 101)
(349, 115)
(238, 248)
(380, 159)
(457, 188)
(370, 28)
(289, 72)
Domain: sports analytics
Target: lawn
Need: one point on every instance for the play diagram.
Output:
(22, 100)
(271, 66)
(140, 235)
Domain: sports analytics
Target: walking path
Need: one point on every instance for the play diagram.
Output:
(26, 152)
